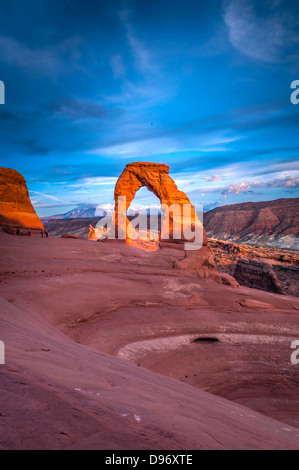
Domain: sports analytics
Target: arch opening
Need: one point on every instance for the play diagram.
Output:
(144, 214)
(155, 177)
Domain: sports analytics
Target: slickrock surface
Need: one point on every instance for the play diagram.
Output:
(257, 274)
(16, 210)
(68, 306)
(70, 235)
(272, 223)
(285, 263)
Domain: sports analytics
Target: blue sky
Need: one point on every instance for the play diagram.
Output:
(202, 86)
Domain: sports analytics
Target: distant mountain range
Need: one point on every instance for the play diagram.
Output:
(272, 223)
(84, 212)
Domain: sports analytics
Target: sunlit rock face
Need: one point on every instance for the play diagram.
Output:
(155, 177)
(272, 224)
(16, 209)
(257, 274)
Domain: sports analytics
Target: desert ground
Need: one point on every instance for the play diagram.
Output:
(109, 347)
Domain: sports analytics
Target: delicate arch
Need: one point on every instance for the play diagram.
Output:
(156, 178)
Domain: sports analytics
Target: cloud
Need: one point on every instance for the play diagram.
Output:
(118, 67)
(62, 170)
(288, 182)
(38, 205)
(209, 179)
(32, 147)
(77, 109)
(98, 181)
(23, 117)
(6, 115)
(145, 63)
(102, 208)
(50, 60)
(270, 38)
(156, 145)
(141, 148)
(237, 188)
(48, 196)
(187, 185)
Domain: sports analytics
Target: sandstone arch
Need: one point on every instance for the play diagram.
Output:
(155, 177)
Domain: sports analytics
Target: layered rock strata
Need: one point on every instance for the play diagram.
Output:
(16, 209)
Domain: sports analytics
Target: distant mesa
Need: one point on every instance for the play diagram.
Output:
(270, 223)
(16, 209)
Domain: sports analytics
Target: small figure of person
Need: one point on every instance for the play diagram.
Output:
(18, 232)
(47, 233)
(42, 233)
(21, 232)
(29, 232)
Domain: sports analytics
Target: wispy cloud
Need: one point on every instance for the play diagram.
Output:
(139, 148)
(48, 196)
(77, 109)
(270, 38)
(118, 66)
(145, 62)
(161, 145)
(50, 60)
(209, 179)
(98, 181)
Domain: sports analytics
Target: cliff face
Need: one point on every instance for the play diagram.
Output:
(284, 263)
(273, 223)
(16, 209)
(257, 274)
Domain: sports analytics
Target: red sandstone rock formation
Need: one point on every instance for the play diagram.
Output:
(16, 209)
(285, 263)
(92, 233)
(70, 235)
(271, 223)
(257, 274)
(156, 178)
(81, 301)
